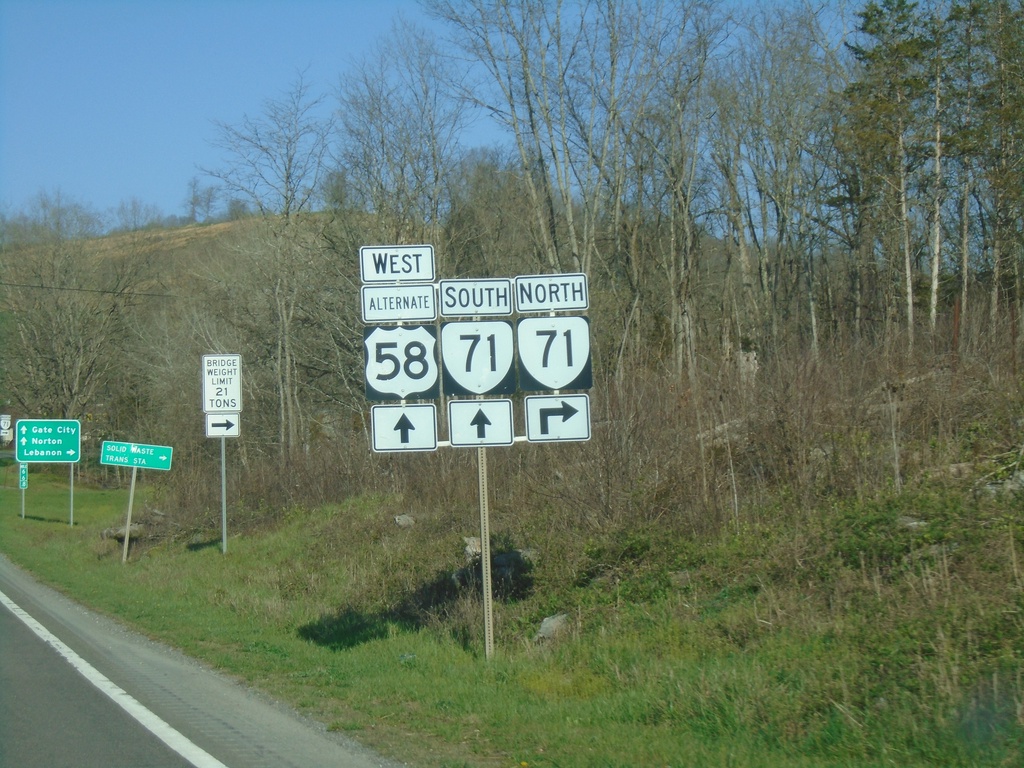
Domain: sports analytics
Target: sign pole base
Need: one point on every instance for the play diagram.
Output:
(223, 501)
(485, 552)
(128, 522)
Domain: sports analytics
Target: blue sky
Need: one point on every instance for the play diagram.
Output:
(111, 100)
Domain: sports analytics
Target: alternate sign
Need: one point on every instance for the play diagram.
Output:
(222, 383)
(396, 263)
(476, 423)
(404, 427)
(475, 298)
(401, 362)
(399, 303)
(136, 455)
(58, 441)
(552, 293)
(555, 418)
(477, 358)
(223, 425)
(554, 353)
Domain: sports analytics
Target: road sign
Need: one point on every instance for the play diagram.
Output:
(23, 476)
(6, 433)
(554, 353)
(404, 427)
(136, 455)
(476, 298)
(223, 425)
(57, 441)
(555, 418)
(401, 362)
(399, 303)
(396, 263)
(477, 357)
(222, 383)
(475, 423)
(552, 293)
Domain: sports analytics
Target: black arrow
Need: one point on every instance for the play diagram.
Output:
(481, 422)
(226, 424)
(405, 427)
(565, 410)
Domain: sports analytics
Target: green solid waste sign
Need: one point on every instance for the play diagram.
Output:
(136, 455)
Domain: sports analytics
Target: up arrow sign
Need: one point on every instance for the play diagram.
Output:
(481, 422)
(404, 427)
(410, 427)
(477, 423)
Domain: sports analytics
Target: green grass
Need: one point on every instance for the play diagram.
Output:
(843, 640)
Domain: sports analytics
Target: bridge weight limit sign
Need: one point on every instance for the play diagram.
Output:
(222, 396)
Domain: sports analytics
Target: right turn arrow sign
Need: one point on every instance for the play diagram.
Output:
(222, 425)
(557, 418)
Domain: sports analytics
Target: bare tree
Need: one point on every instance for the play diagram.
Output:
(68, 308)
(278, 162)
(399, 134)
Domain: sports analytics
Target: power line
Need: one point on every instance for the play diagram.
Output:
(90, 290)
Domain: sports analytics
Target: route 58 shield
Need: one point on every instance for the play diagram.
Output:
(401, 362)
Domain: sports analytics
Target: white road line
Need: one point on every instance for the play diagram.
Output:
(168, 735)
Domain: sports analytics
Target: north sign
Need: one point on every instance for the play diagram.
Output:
(57, 441)
(552, 293)
(399, 303)
(401, 362)
(404, 427)
(396, 263)
(554, 353)
(476, 298)
(136, 455)
(557, 418)
(476, 423)
(222, 383)
(477, 358)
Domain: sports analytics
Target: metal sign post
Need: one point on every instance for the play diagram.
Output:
(23, 484)
(477, 360)
(128, 521)
(223, 500)
(222, 404)
(56, 441)
(134, 455)
(485, 552)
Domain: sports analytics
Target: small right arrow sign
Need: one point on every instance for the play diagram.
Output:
(222, 425)
(551, 418)
(564, 410)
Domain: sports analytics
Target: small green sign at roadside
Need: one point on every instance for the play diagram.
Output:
(136, 455)
(57, 441)
(23, 476)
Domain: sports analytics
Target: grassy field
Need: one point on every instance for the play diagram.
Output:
(861, 637)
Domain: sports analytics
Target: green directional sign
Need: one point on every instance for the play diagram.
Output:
(57, 441)
(136, 455)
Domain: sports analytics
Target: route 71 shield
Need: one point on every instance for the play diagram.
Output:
(477, 358)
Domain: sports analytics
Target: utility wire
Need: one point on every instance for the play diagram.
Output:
(90, 290)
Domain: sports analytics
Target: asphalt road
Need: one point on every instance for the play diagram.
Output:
(91, 693)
